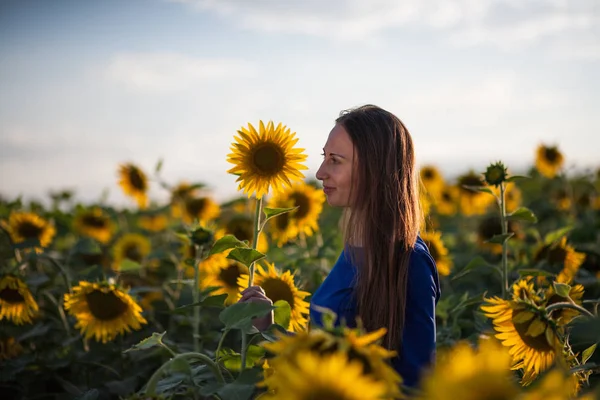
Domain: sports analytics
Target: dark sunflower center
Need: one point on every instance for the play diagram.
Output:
(136, 179)
(195, 206)
(302, 202)
(282, 221)
(557, 255)
(11, 296)
(276, 290)
(490, 226)
(94, 221)
(470, 180)
(230, 274)
(539, 343)
(29, 230)
(105, 306)
(132, 252)
(446, 196)
(551, 154)
(241, 228)
(268, 159)
(428, 174)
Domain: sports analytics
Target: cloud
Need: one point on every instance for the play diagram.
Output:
(503, 23)
(173, 72)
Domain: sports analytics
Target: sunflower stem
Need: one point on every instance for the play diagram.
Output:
(220, 345)
(255, 237)
(155, 378)
(61, 313)
(243, 350)
(573, 306)
(504, 224)
(196, 296)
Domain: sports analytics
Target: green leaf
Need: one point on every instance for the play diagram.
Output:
(240, 315)
(181, 365)
(562, 289)
(553, 236)
(225, 243)
(210, 301)
(149, 342)
(273, 212)
(588, 353)
(128, 265)
(477, 262)
(243, 387)
(159, 166)
(516, 178)
(481, 189)
(38, 330)
(534, 272)
(282, 313)
(245, 256)
(233, 360)
(271, 333)
(499, 239)
(522, 214)
(585, 331)
(86, 246)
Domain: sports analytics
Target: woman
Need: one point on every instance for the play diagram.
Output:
(385, 275)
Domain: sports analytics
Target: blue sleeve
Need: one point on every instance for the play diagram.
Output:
(418, 338)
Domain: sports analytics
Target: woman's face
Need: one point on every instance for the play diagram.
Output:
(336, 169)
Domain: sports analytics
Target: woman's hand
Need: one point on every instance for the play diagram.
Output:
(257, 294)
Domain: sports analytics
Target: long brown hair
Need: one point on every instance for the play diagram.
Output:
(384, 216)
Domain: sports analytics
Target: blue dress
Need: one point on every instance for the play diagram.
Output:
(423, 291)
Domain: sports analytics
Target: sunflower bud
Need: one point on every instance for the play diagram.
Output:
(495, 174)
(202, 237)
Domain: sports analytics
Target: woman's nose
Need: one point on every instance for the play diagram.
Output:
(320, 173)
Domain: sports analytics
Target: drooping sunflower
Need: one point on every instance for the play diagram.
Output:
(203, 209)
(305, 219)
(531, 340)
(488, 227)
(224, 273)
(560, 254)
(16, 301)
(266, 159)
(103, 310)
(131, 246)
(549, 160)
(24, 226)
(280, 286)
(447, 201)
(153, 222)
(334, 376)
(134, 183)
(438, 251)
(9, 348)
(467, 373)
(433, 180)
(242, 227)
(94, 223)
(472, 202)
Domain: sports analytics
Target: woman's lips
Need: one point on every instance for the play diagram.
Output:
(328, 190)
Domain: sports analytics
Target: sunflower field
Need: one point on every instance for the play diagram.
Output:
(98, 302)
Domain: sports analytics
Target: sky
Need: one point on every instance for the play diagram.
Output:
(86, 85)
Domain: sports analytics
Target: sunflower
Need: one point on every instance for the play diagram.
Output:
(490, 226)
(562, 255)
(447, 201)
(179, 194)
(16, 302)
(150, 298)
(103, 310)
(9, 348)
(153, 222)
(472, 202)
(131, 246)
(438, 251)
(562, 200)
(266, 159)
(512, 197)
(549, 160)
(94, 223)
(277, 287)
(242, 227)
(24, 226)
(466, 373)
(564, 315)
(432, 180)
(334, 376)
(305, 219)
(134, 183)
(555, 385)
(531, 340)
(203, 209)
(224, 273)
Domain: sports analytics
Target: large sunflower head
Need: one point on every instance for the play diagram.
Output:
(472, 202)
(438, 251)
(266, 159)
(203, 209)
(334, 376)
(560, 255)
(95, 223)
(432, 180)
(531, 338)
(490, 226)
(305, 219)
(549, 160)
(134, 183)
(103, 310)
(242, 227)
(131, 246)
(153, 222)
(281, 286)
(24, 227)
(468, 373)
(16, 302)
(446, 203)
